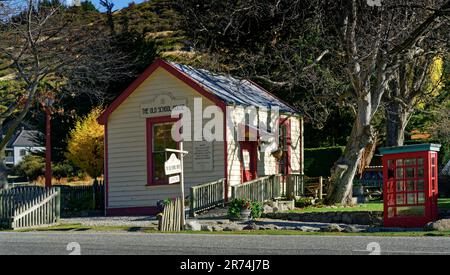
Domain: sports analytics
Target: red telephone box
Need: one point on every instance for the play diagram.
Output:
(410, 185)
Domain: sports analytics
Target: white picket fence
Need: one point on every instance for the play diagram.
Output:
(25, 208)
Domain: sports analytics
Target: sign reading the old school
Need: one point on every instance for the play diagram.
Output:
(172, 165)
(162, 105)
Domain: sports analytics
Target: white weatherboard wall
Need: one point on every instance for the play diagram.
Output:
(127, 147)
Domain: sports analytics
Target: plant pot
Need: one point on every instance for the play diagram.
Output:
(246, 214)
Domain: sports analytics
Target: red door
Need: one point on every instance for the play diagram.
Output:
(248, 161)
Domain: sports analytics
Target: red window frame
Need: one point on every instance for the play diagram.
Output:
(286, 122)
(150, 123)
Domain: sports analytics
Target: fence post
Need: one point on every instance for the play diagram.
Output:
(321, 188)
(191, 203)
(58, 204)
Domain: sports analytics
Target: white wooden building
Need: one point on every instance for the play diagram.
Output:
(20, 145)
(138, 128)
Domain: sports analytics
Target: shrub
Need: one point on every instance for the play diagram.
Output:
(31, 167)
(304, 202)
(63, 170)
(257, 209)
(319, 161)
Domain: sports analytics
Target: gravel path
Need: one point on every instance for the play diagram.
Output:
(143, 221)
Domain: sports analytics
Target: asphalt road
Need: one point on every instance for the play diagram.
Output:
(193, 244)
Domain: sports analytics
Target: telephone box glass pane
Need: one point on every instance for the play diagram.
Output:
(420, 161)
(399, 162)
(421, 185)
(400, 186)
(411, 186)
(421, 197)
(411, 211)
(421, 172)
(410, 162)
(400, 199)
(411, 198)
(399, 174)
(410, 173)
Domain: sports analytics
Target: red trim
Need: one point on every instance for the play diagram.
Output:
(149, 71)
(150, 123)
(132, 211)
(106, 168)
(287, 123)
(225, 149)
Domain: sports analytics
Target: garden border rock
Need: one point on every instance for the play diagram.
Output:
(374, 218)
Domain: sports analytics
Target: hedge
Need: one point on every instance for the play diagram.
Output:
(319, 161)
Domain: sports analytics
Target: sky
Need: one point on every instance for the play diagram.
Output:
(118, 4)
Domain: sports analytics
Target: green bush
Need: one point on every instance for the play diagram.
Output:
(319, 161)
(303, 202)
(257, 209)
(31, 167)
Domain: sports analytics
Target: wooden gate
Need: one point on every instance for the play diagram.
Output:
(23, 208)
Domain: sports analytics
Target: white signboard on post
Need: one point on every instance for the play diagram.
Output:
(174, 179)
(172, 165)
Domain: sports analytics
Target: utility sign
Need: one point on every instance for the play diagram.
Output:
(172, 165)
(174, 179)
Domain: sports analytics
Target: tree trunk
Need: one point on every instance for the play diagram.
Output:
(344, 171)
(397, 118)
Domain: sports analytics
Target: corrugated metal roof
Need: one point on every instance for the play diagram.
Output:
(234, 91)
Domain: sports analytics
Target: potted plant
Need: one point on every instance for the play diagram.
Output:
(246, 210)
(240, 209)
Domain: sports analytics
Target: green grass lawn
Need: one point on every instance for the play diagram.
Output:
(444, 204)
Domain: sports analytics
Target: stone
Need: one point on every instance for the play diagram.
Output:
(267, 209)
(251, 226)
(217, 229)
(206, 227)
(193, 226)
(231, 228)
(275, 209)
(440, 225)
(351, 229)
(332, 228)
(308, 229)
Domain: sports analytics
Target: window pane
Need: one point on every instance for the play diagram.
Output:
(400, 186)
(400, 199)
(421, 198)
(411, 186)
(410, 173)
(399, 173)
(413, 211)
(420, 185)
(162, 137)
(391, 212)
(420, 161)
(399, 162)
(421, 172)
(158, 166)
(410, 162)
(411, 198)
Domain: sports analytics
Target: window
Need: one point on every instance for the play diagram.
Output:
(159, 139)
(23, 152)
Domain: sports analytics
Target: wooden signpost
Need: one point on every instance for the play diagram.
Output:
(174, 166)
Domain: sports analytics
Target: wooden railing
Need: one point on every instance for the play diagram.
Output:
(171, 218)
(206, 196)
(301, 186)
(22, 208)
(261, 189)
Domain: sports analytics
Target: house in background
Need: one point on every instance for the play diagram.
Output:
(138, 128)
(21, 145)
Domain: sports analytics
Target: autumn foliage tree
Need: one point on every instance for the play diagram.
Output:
(85, 146)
